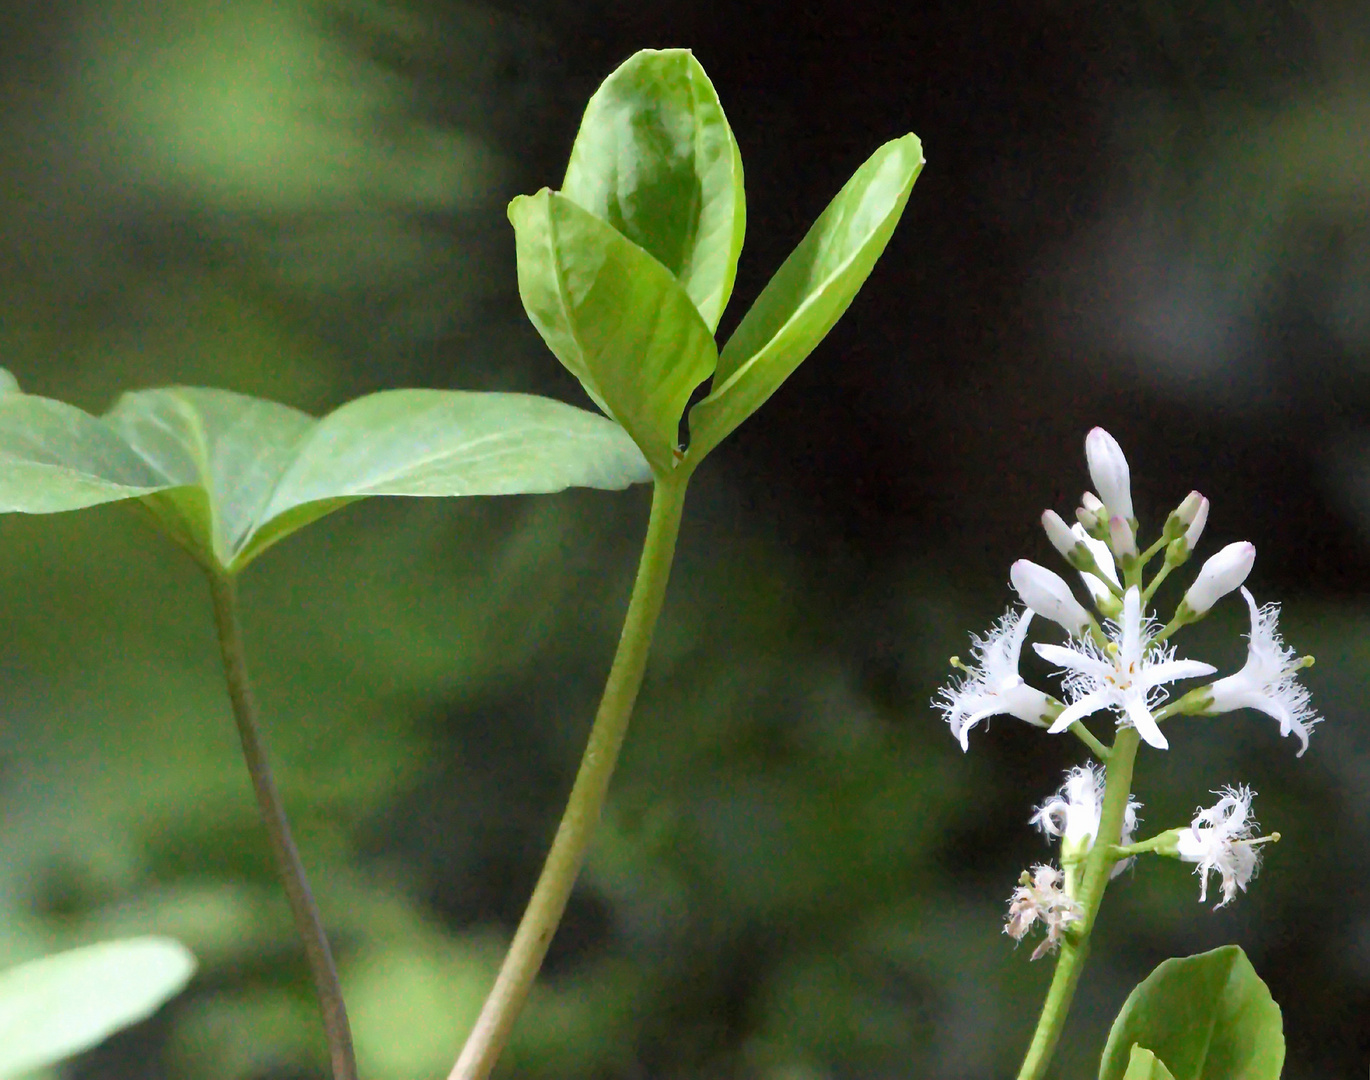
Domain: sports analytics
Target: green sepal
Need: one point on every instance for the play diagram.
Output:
(656, 159)
(1208, 1017)
(614, 316)
(809, 292)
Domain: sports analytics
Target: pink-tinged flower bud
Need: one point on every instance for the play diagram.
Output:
(1221, 574)
(1120, 538)
(1108, 469)
(1048, 594)
(1091, 512)
(1197, 523)
(1058, 532)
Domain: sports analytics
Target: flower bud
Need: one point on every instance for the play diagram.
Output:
(1221, 574)
(1197, 522)
(1058, 532)
(1108, 469)
(1120, 539)
(1048, 594)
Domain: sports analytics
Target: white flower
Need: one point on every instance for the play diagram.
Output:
(1108, 469)
(1040, 896)
(1125, 676)
(993, 686)
(1268, 680)
(1073, 813)
(1059, 533)
(1223, 838)
(1103, 559)
(1218, 576)
(1047, 593)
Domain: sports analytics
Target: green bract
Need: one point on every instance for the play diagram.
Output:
(60, 1005)
(626, 271)
(227, 475)
(1208, 1017)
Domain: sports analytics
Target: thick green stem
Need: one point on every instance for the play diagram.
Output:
(540, 919)
(308, 922)
(1098, 865)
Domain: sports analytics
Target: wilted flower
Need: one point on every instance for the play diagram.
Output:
(1268, 680)
(1073, 813)
(1039, 897)
(992, 686)
(1125, 675)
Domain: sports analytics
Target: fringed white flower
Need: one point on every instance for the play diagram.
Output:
(1126, 675)
(1223, 838)
(1040, 898)
(1073, 814)
(991, 686)
(1268, 681)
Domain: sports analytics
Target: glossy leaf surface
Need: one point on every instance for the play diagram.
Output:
(1144, 1065)
(656, 159)
(1208, 1017)
(61, 1005)
(614, 316)
(809, 293)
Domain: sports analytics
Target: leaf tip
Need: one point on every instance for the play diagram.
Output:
(8, 383)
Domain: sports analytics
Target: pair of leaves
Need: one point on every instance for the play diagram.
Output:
(53, 1008)
(1205, 1017)
(626, 271)
(227, 475)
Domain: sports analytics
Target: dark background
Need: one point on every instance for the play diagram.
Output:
(1148, 216)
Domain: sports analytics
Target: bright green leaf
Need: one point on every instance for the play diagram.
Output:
(1144, 1065)
(656, 159)
(61, 1005)
(55, 457)
(8, 383)
(615, 316)
(440, 443)
(809, 292)
(1208, 1017)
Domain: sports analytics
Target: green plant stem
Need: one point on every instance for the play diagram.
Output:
(308, 922)
(1086, 736)
(1093, 881)
(583, 807)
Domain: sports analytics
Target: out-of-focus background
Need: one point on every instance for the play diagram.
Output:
(1153, 216)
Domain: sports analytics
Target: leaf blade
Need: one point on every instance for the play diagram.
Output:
(57, 1006)
(809, 293)
(656, 159)
(614, 316)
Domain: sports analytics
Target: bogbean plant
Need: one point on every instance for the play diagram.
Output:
(625, 272)
(1208, 1016)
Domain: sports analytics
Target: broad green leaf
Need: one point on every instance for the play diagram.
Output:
(614, 316)
(809, 292)
(55, 457)
(225, 451)
(8, 383)
(1208, 1017)
(61, 1005)
(656, 159)
(1144, 1065)
(441, 443)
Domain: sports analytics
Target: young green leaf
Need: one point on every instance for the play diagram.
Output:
(1144, 1065)
(656, 159)
(615, 316)
(1208, 1017)
(58, 1006)
(55, 457)
(809, 292)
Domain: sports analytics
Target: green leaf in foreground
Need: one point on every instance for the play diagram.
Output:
(614, 316)
(656, 159)
(1208, 1017)
(809, 292)
(227, 475)
(1144, 1065)
(61, 1005)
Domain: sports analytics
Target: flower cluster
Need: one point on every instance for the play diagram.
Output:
(1117, 657)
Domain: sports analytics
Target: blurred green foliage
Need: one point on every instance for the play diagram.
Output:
(799, 876)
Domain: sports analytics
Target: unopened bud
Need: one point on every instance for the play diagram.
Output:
(1048, 594)
(1058, 532)
(1221, 574)
(1108, 469)
(1091, 513)
(1121, 540)
(1196, 526)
